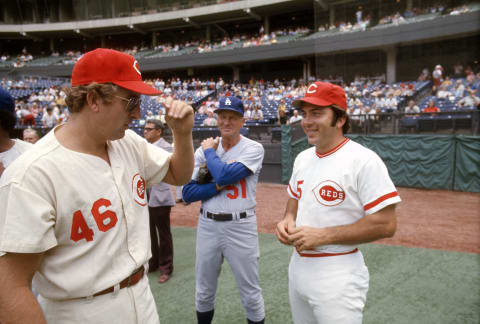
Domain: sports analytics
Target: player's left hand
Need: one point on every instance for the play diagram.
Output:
(179, 116)
(307, 238)
(210, 143)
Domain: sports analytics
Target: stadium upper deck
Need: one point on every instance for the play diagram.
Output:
(337, 32)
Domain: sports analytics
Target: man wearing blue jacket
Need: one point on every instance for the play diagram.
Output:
(227, 226)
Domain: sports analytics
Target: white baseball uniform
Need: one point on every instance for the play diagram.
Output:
(15, 151)
(330, 284)
(236, 240)
(90, 219)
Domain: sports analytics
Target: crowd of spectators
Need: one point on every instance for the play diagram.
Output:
(43, 107)
(193, 46)
(361, 21)
(269, 102)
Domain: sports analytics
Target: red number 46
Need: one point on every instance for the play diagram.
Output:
(105, 221)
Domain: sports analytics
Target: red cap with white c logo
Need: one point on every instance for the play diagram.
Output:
(323, 94)
(109, 66)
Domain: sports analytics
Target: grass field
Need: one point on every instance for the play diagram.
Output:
(407, 285)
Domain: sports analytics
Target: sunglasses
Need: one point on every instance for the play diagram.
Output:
(148, 129)
(132, 103)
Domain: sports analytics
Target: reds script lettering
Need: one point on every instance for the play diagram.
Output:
(329, 193)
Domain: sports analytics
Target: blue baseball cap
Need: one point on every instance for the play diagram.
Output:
(6, 101)
(230, 103)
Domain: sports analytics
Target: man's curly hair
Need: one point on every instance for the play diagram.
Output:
(76, 97)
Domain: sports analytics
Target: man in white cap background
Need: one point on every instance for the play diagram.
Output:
(79, 222)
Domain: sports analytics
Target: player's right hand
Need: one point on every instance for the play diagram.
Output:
(282, 230)
(179, 116)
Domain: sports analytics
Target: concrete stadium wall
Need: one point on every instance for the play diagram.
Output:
(444, 27)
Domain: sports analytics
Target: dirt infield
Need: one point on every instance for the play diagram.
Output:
(434, 219)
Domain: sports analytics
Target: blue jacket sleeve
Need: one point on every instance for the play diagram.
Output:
(193, 191)
(223, 173)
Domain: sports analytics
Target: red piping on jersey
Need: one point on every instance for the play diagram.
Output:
(291, 191)
(321, 255)
(379, 200)
(336, 148)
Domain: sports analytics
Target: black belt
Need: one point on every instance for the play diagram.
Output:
(222, 217)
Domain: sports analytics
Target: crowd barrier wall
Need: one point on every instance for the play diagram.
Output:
(449, 162)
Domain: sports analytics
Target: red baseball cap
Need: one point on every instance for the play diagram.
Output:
(109, 66)
(323, 94)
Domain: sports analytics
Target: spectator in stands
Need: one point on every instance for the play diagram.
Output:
(371, 113)
(149, 115)
(282, 117)
(470, 101)
(357, 117)
(354, 101)
(431, 108)
(459, 89)
(295, 117)
(443, 93)
(437, 76)
(247, 114)
(412, 109)
(64, 114)
(380, 101)
(161, 116)
(391, 103)
(471, 84)
(210, 120)
(24, 115)
(49, 119)
(257, 113)
(10, 149)
(458, 70)
(424, 76)
(30, 135)
(282, 106)
(447, 82)
(358, 15)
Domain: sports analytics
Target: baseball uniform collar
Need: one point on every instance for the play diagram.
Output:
(336, 148)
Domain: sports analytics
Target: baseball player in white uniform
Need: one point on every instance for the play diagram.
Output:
(10, 149)
(74, 212)
(340, 196)
(227, 226)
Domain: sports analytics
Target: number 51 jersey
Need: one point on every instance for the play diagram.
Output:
(240, 196)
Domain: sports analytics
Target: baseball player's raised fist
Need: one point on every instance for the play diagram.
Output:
(210, 143)
(179, 116)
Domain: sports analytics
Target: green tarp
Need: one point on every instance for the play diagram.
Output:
(418, 161)
(467, 171)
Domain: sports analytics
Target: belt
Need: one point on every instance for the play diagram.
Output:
(321, 255)
(223, 217)
(132, 280)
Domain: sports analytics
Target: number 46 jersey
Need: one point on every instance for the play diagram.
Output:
(240, 196)
(90, 218)
(339, 187)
